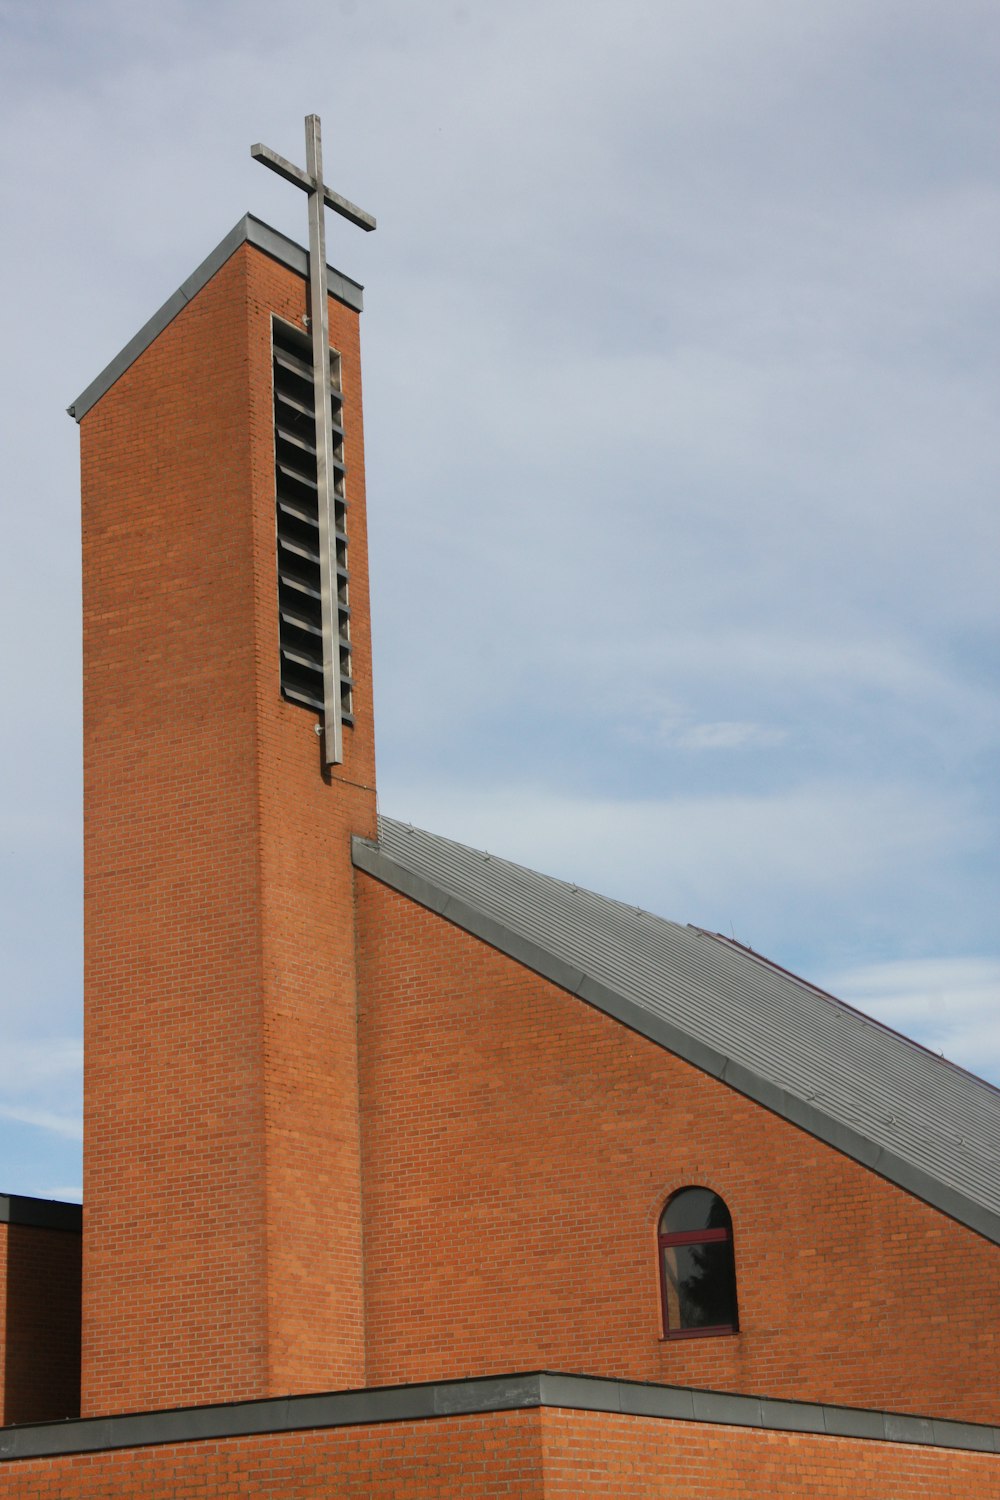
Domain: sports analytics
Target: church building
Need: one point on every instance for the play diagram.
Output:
(410, 1172)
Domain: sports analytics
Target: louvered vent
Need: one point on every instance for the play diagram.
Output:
(299, 606)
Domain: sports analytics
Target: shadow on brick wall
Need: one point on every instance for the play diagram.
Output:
(42, 1353)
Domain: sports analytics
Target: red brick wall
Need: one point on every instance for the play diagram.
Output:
(222, 1229)
(522, 1455)
(610, 1457)
(518, 1149)
(491, 1456)
(314, 1291)
(39, 1324)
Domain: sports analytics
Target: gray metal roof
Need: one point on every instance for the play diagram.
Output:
(907, 1113)
(248, 231)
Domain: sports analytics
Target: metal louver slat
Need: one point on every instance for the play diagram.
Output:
(299, 549)
(300, 587)
(298, 364)
(295, 440)
(287, 399)
(297, 512)
(300, 614)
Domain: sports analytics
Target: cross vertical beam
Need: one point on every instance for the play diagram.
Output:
(320, 197)
(319, 325)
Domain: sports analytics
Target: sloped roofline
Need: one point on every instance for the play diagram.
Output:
(770, 963)
(374, 861)
(249, 231)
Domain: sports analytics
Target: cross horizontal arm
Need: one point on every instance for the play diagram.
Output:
(302, 179)
(281, 166)
(348, 209)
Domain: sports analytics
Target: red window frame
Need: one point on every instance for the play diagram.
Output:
(693, 1237)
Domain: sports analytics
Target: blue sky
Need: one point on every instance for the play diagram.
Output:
(682, 346)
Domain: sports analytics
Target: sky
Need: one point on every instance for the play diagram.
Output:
(681, 353)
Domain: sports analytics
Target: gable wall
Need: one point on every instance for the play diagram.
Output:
(518, 1147)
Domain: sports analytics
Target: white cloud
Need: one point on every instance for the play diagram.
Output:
(42, 1087)
(725, 734)
(69, 1126)
(30, 1066)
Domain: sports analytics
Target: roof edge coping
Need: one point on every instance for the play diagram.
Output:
(495, 1393)
(250, 231)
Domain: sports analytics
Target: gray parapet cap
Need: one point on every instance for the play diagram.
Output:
(249, 231)
(40, 1213)
(447, 1399)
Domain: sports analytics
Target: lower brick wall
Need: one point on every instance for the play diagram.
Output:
(530, 1454)
(495, 1455)
(588, 1454)
(39, 1324)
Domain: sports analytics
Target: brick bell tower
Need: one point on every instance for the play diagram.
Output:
(229, 758)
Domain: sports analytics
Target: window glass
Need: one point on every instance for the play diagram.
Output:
(694, 1208)
(699, 1285)
(697, 1270)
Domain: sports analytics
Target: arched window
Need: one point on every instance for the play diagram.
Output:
(697, 1272)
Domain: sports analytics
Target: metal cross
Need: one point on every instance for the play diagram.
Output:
(321, 197)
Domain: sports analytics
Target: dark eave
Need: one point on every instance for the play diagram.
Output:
(40, 1213)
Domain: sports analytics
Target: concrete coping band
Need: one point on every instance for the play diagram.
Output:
(250, 231)
(501, 1393)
